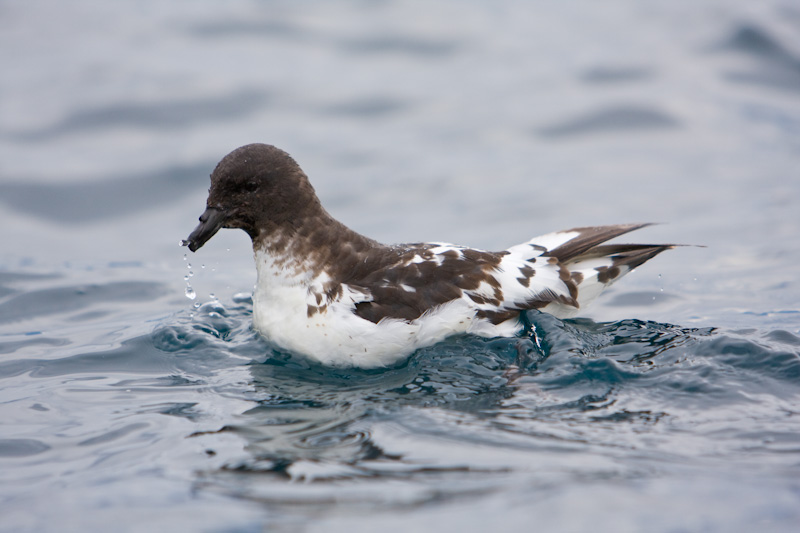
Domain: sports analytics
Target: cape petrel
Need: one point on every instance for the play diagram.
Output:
(343, 299)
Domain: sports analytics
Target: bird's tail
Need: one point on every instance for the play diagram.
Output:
(588, 266)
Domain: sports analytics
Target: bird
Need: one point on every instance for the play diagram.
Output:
(341, 299)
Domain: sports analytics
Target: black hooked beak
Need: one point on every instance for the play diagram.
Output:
(212, 219)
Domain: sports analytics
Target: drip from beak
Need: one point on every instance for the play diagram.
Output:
(212, 219)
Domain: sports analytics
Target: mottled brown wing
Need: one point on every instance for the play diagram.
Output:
(421, 277)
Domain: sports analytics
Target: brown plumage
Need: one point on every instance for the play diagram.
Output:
(334, 295)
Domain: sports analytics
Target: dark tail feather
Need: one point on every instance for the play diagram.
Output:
(589, 238)
(629, 255)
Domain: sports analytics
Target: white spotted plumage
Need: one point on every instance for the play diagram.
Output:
(337, 297)
(336, 336)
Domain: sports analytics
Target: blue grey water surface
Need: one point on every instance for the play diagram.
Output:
(672, 404)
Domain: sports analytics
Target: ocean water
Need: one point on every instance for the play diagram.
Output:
(134, 395)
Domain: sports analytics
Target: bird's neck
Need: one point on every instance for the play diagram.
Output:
(310, 247)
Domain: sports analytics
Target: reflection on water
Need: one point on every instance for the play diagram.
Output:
(597, 401)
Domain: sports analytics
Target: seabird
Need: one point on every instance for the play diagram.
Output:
(342, 299)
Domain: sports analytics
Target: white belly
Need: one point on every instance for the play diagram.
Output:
(336, 336)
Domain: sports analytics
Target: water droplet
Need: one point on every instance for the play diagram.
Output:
(189, 292)
(212, 296)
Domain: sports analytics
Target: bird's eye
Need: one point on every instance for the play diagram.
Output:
(251, 186)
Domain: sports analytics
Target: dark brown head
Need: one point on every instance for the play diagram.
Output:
(257, 188)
